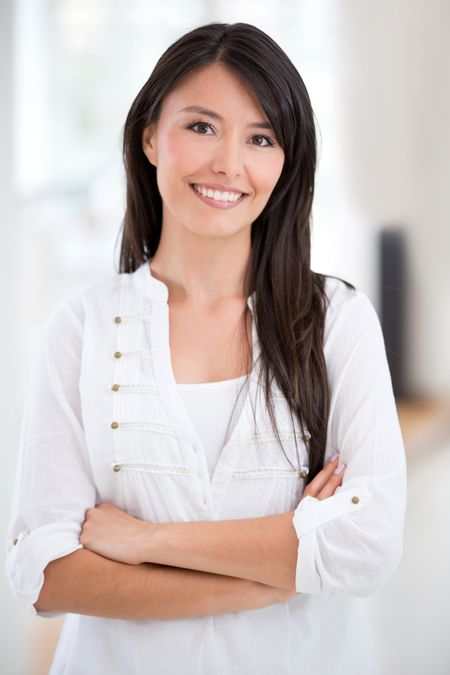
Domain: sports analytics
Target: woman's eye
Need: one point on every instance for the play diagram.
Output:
(268, 140)
(200, 125)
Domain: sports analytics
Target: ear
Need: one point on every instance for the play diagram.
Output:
(149, 144)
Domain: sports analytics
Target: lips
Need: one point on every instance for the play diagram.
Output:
(216, 203)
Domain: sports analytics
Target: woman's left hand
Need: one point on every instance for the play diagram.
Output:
(114, 534)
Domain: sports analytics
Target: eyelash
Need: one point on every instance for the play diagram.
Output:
(267, 138)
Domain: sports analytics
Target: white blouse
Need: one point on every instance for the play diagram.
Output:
(105, 421)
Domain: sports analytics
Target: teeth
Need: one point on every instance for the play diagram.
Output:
(218, 196)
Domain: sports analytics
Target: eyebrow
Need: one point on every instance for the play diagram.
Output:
(211, 113)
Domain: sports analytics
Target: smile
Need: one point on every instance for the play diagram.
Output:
(217, 199)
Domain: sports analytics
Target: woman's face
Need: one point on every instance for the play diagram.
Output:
(223, 146)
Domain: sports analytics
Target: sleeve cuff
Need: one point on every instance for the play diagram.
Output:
(30, 553)
(307, 578)
(310, 514)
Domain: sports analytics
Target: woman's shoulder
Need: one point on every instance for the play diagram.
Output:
(74, 304)
(102, 293)
(349, 313)
(354, 345)
(91, 302)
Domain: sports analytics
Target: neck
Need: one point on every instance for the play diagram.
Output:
(202, 274)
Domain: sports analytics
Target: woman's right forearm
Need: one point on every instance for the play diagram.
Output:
(86, 583)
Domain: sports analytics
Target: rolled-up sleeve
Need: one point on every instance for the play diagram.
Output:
(351, 542)
(54, 484)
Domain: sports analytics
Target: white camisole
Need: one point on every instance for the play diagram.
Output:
(210, 406)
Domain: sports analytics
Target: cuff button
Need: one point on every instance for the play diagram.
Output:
(355, 500)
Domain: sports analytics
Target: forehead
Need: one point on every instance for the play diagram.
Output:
(215, 87)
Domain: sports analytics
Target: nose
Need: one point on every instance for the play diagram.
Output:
(227, 159)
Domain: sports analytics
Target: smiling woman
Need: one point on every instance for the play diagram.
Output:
(182, 527)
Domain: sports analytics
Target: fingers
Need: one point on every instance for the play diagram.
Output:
(333, 482)
(327, 480)
(319, 481)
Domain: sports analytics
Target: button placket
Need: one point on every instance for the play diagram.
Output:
(115, 387)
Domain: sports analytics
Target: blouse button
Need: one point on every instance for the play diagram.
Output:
(115, 387)
(15, 541)
(116, 467)
(114, 425)
(303, 473)
(117, 319)
(117, 355)
(355, 500)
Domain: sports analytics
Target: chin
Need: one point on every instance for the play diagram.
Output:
(217, 230)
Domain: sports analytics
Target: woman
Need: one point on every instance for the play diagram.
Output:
(180, 483)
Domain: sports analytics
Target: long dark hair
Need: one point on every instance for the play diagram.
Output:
(290, 299)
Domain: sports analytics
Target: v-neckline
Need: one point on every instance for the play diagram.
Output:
(165, 378)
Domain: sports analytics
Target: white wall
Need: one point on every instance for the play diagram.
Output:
(12, 650)
(395, 112)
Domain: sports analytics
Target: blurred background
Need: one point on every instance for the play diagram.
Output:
(377, 74)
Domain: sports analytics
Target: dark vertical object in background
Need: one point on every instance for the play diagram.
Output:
(392, 294)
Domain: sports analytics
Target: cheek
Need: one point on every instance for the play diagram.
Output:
(180, 154)
(266, 176)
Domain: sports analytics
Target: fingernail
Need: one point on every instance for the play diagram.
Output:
(340, 468)
(335, 456)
